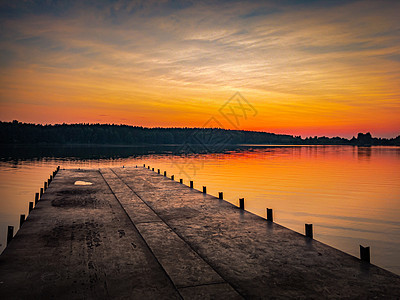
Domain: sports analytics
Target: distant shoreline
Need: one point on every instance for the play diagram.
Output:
(17, 133)
(178, 145)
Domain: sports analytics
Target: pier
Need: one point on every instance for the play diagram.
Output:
(135, 233)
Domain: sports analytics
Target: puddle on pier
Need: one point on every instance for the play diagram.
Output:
(82, 183)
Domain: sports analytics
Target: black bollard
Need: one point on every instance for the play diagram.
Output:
(10, 234)
(30, 206)
(36, 198)
(21, 220)
(221, 195)
(181, 180)
(191, 184)
(204, 189)
(365, 254)
(158, 171)
(269, 215)
(172, 177)
(241, 203)
(165, 173)
(309, 231)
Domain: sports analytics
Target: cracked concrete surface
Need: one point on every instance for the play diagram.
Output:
(135, 234)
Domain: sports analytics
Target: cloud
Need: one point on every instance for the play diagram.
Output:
(144, 53)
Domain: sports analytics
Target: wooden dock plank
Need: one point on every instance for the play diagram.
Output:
(183, 265)
(256, 257)
(137, 235)
(78, 243)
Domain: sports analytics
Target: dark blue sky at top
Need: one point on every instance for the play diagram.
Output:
(20, 8)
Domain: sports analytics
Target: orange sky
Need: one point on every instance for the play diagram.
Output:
(325, 68)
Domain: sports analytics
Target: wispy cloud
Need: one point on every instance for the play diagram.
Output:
(335, 58)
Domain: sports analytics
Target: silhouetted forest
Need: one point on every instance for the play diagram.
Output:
(109, 134)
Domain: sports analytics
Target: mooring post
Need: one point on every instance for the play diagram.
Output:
(165, 173)
(241, 203)
(36, 198)
(51, 178)
(221, 195)
(191, 184)
(365, 254)
(148, 167)
(144, 165)
(30, 206)
(181, 180)
(21, 220)
(269, 215)
(45, 186)
(152, 169)
(41, 192)
(48, 182)
(172, 177)
(204, 189)
(136, 166)
(10, 234)
(309, 231)
(158, 171)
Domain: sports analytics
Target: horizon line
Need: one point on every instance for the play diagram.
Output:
(177, 127)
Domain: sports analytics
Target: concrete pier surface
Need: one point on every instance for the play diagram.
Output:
(135, 234)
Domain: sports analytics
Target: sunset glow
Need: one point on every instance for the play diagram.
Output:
(307, 67)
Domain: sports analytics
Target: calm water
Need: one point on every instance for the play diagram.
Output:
(350, 194)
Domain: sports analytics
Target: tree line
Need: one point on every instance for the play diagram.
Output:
(101, 134)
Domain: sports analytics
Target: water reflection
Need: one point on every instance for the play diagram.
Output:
(364, 153)
(23, 153)
(350, 194)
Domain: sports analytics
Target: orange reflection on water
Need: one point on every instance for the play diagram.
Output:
(350, 194)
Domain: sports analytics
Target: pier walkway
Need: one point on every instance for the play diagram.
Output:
(135, 234)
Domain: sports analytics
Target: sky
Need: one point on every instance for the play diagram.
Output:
(295, 67)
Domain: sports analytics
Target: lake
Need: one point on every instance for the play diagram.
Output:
(350, 194)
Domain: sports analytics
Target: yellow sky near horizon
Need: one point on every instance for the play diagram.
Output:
(320, 68)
